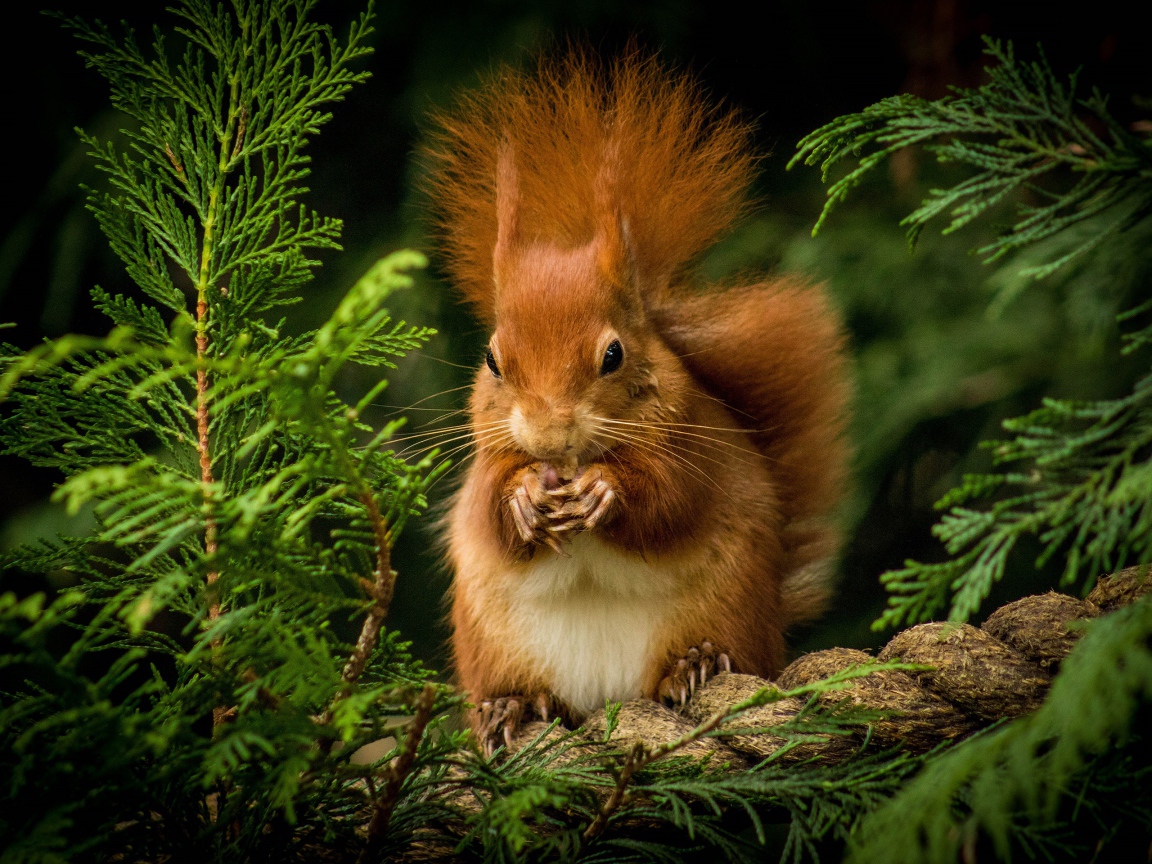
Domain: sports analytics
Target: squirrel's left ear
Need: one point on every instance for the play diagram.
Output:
(613, 241)
(507, 209)
(614, 248)
(617, 261)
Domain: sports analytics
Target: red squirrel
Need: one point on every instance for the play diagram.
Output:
(656, 466)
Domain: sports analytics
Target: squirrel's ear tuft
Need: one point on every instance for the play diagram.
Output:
(507, 209)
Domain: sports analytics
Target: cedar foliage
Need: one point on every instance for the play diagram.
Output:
(201, 690)
(1077, 476)
(1085, 488)
(235, 493)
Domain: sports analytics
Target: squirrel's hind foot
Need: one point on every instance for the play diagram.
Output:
(691, 671)
(501, 718)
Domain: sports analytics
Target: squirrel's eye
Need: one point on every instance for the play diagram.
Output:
(613, 357)
(491, 361)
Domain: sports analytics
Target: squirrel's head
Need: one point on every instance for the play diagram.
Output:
(574, 368)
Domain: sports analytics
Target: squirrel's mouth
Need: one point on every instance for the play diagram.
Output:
(550, 476)
(553, 476)
(554, 473)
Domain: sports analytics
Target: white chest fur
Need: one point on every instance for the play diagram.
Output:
(591, 619)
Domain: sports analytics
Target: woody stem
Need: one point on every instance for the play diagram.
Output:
(380, 589)
(210, 530)
(204, 280)
(640, 756)
(397, 772)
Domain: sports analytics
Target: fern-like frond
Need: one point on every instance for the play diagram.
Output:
(1024, 125)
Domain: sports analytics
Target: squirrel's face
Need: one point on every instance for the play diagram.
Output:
(572, 361)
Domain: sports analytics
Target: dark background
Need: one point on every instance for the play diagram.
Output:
(935, 372)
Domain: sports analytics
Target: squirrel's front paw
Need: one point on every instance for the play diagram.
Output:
(583, 503)
(544, 512)
(690, 671)
(530, 504)
(500, 718)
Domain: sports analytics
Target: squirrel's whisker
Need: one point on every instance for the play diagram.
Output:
(399, 408)
(448, 454)
(708, 441)
(445, 362)
(452, 469)
(683, 424)
(431, 433)
(433, 396)
(463, 427)
(470, 445)
(648, 442)
(442, 417)
(721, 448)
(410, 453)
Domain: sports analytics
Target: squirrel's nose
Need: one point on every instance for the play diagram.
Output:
(544, 431)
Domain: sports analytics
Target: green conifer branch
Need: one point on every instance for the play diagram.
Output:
(233, 462)
(1020, 128)
(1072, 475)
(1076, 467)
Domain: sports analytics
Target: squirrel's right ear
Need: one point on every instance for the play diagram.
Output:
(507, 209)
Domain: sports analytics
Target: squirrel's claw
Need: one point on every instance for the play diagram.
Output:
(543, 706)
(583, 504)
(500, 719)
(525, 516)
(690, 672)
(543, 515)
(553, 543)
(529, 503)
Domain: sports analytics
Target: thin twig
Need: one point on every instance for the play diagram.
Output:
(220, 713)
(243, 127)
(397, 772)
(176, 166)
(380, 590)
(640, 756)
(210, 529)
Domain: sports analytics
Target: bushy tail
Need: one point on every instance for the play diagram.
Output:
(773, 353)
(680, 165)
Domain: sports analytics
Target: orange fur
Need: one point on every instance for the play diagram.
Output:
(699, 475)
